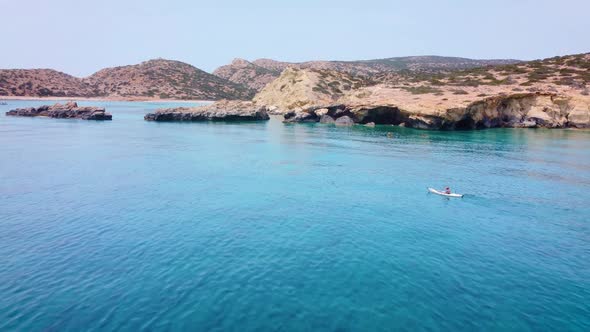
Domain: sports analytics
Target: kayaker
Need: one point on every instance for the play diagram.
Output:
(447, 190)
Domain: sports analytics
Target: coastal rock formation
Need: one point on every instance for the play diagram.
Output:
(344, 121)
(326, 119)
(219, 111)
(524, 110)
(70, 110)
(552, 93)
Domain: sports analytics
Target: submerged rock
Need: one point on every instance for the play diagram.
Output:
(219, 111)
(70, 110)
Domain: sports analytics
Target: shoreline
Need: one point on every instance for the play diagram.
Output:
(131, 99)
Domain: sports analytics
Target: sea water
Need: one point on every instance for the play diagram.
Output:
(132, 225)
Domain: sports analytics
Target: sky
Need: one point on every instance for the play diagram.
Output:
(80, 37)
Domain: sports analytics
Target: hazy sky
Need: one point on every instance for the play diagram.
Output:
(80, 37)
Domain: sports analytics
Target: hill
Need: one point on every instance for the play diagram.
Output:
(42, 83)
(258, 73)
(247, 73)
(412, 63)
(298, 88)
(164, 79)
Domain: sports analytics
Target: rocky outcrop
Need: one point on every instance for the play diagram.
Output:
(525, 110)
(327, 119)
(246, 73)
(70, 110)
(297, 89)
(344, 121)
(219, 111)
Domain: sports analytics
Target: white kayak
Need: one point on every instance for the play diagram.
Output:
(434, 191)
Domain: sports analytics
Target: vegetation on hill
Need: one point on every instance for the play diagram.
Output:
(260, 72)
(165, 79)
(42, 83)
(247, 74)
(301, 87)
(569, 71)
(158, 78)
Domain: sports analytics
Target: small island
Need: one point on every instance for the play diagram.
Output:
(69, 110)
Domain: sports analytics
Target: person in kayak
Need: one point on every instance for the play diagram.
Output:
(447, 190)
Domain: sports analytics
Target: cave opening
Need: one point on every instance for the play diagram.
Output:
(384, 115)
(465, 124)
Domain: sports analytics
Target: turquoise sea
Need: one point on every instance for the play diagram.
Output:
(132, 225)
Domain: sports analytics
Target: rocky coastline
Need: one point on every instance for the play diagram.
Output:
(218, 111)
(525, 110)
(70, 110)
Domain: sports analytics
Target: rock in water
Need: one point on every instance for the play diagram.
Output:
(326, 119)
(370, 124)
(223, 110)
(68, 111)
(344, 121)
(300, 116)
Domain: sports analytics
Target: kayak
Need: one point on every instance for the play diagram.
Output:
(434, 191)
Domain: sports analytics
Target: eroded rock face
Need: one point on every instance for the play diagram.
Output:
(515, 111)
(68, 111)
(219, 111)
(526, 110)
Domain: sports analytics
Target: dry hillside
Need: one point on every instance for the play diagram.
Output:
(150, 79)
(260, 72)
(165, 79)
(42, 83)
(297, 88)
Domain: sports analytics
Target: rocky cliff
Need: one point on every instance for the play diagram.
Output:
(528, 110)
